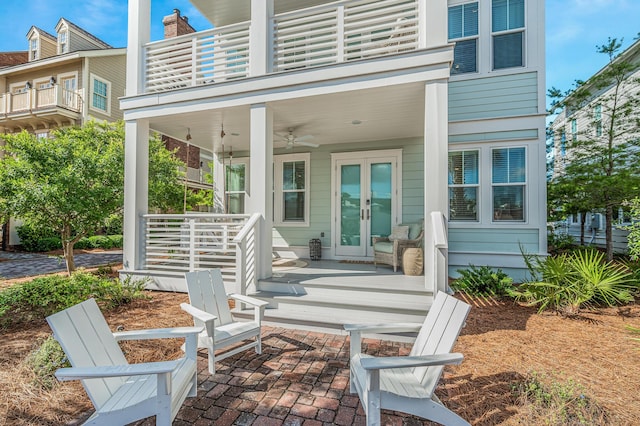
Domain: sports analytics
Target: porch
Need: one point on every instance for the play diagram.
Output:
(31, 104)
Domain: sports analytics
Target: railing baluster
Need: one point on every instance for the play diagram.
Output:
(192, 244)
(340, 34)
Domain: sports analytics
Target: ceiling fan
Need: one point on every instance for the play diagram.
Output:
(292, 140)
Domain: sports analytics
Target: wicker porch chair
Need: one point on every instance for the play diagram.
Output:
(390, 252)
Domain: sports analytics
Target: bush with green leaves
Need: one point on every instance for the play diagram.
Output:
(558, 241)
(116, 240)
(576, 280)
(37, 239)
(100, 241)
(483, 281)
(558, 403)
(36, 299)
(44, 362)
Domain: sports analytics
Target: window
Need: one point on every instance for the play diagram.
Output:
(463, 29)
(574, 129)
(508, 183)
(291, 196)
(33, 49)
(507, 26)
(235, 192)
(100, 93)
(597, 118)
(463, 185)
(63, 44)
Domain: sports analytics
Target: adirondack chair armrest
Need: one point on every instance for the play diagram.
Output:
(157, 333)
(380, 363)
(207, 318)
(383, 328)
(78, 373)
(248, 299)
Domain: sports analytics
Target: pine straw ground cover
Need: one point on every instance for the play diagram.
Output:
(504, 345)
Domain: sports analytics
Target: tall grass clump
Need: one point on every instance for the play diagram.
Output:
(483, 281)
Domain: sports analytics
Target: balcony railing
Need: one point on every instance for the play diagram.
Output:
(38, 99)
(333, 33)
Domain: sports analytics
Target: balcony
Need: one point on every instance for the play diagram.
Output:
(37, 105)
(318, 36)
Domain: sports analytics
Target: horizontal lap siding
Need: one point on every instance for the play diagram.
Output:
(493, 240)
(493, 97)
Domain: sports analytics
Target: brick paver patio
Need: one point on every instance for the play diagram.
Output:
(301, 378)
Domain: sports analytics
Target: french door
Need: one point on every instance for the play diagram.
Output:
(366, 199)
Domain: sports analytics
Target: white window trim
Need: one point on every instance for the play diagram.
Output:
(478, 187)
(63, 30)
(278, 201)
(92, 78)
(525, 195)
(20, 86)
(467, 38)
(245, 162)
(37, 49)
(523, 30)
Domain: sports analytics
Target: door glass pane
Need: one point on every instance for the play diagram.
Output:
(350, 187)
(380, 207)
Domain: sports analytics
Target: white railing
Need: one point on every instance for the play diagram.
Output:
(344, 31)
(189, 242)
(205, 57)
(246, 243)
(440, 251)
(32, 99)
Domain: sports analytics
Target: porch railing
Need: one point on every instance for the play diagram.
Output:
(33, 99)
(337, 32)
(440, 251)
(344, 31)
(246, 243)
(182, 243)
(205, 57)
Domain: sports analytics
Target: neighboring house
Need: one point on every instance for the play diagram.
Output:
(62, 80)
(346, 118)
(587, 123)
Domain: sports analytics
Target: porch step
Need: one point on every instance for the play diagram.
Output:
(328, 306)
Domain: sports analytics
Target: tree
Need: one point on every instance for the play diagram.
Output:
(602, 158)
(74, 181)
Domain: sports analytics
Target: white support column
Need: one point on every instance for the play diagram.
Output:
(136, 191)
(139, 34)
(218, 183)
(436, 143)
(260, 38)
(433, 18)
(261, 183)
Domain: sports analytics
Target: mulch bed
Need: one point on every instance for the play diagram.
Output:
(503, 344)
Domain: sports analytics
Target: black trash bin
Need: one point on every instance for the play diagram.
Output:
(315, 249)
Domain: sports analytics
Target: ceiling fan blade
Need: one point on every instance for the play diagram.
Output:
(311, 144)
(304, 138)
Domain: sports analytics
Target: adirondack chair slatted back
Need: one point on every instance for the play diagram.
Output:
(438, 335)
(202, 286)
(86, 339)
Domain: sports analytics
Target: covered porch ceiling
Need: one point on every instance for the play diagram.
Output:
(385, 113)
(225, 12)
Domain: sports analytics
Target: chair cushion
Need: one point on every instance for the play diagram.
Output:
(414, 230)
(384, 247)
(399, 232)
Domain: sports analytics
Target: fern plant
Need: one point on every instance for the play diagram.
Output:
(483, 281)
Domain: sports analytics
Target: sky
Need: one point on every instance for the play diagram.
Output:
(573, 27)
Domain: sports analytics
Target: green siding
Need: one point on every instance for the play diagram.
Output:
(320, 207)
(493, 97)
(495, 136)
(492, 240)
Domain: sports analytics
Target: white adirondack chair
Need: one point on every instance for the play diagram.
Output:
(407, 383)
(121, 392)
(209, 307)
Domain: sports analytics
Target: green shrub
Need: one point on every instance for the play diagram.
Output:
(82, 244)
(572, 281)
(559, 403)
(116, 240)
(44, 362)
(38, 298)
(100, 241)
(483, 281)
(558, 242)
(31, 238)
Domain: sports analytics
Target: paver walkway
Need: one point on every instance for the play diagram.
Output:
(301, 378)
(18, 265)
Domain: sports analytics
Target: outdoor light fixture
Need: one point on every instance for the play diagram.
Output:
(188, 137)
(27, 85)
(52, 80)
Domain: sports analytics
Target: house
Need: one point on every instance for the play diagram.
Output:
(589, 121)
(61, 80)
(335, 120)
